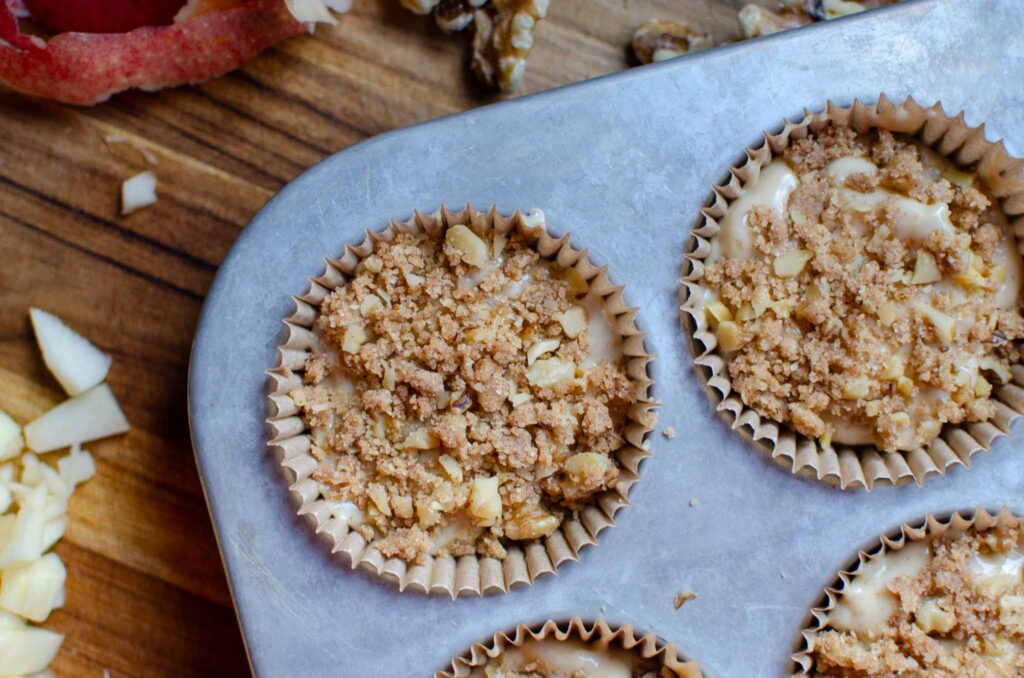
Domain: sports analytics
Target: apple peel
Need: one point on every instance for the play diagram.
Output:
(86, 68)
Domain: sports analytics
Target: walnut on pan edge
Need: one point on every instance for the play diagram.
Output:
(663, 39)
(504, 36)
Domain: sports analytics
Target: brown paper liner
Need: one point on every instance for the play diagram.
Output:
(843, 465)
(455, 576)
(597, 633)
(980, 520)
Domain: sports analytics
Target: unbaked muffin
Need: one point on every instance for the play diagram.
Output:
(865, 291)
(550, 658)
(945, 606)
(463, 392)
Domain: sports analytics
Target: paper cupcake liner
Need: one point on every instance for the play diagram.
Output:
(455, 576)
(845, 466)
(597, 633)
(980, 520)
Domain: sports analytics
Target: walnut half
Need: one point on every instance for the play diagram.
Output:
(504, 36)
(663, 39)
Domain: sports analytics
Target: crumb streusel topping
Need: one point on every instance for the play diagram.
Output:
(463, 392)
(943, 607)
(574, 659)
(865, 291)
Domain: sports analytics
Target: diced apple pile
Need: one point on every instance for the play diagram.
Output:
(34, 494)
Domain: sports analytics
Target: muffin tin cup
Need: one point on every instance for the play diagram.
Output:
(845, 466)
(465, 575)
(598, 634)
(980, 520)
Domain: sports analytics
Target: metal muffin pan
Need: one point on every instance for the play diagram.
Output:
(623, 163)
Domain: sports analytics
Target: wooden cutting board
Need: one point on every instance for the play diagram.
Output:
(146, 593)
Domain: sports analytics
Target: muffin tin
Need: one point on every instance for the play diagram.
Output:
(625, 164)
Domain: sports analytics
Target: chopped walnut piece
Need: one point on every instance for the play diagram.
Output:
(662, 39)
(504, 37)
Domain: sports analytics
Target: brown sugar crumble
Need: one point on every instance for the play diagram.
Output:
(464, 392)
(865, 291)
(957, 609)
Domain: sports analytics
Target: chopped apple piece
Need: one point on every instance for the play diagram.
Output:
(53, 531)
(92, 415)
(33, 591)
(73, 360)
(138, 192)
(28, 649)
(472, 249)
(11, 442)
(718, 311)
(540, 348)
(944, 325)
(550, 371)
(573, 321)
(24, 543)
(77, 467)
(888, 312)
(855, 388)
(791, 263)
(926, 270)
(484, 500)
(730, 336)
(11, 621)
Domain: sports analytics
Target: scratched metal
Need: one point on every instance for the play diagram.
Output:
(624, 163)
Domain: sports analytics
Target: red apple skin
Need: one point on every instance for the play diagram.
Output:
(102, 16)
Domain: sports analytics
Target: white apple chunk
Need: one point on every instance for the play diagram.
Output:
(89, 416)
(35, 473)
(34, 591)
(22, 540)
(77, 467)
(27, 650)
(11, 621)
(53, 531)
(11, 442)
(138, 192)
(73, 360)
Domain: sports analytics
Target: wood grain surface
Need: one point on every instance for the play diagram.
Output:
(146, 592)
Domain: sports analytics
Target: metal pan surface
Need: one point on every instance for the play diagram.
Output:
(624, 163)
